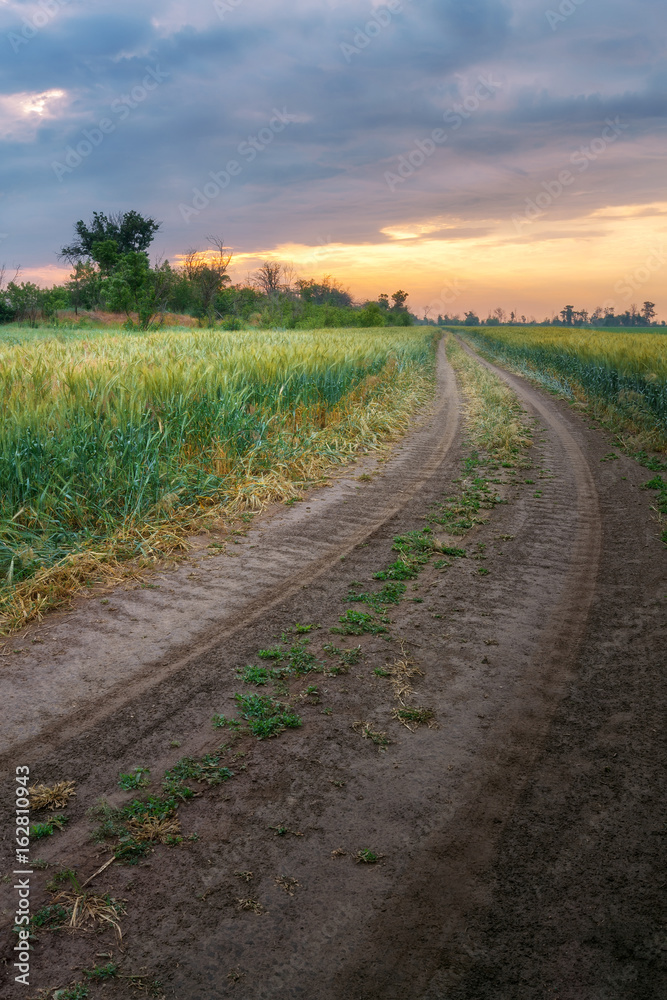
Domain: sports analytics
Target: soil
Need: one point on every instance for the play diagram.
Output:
(519, 840)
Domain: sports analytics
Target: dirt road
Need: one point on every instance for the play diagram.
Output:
(520, 842)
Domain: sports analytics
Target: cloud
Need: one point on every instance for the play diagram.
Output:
(354, 116)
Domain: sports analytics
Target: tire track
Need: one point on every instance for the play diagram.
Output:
(290, 557)
(424, 917)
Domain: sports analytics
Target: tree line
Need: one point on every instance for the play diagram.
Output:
(112, 270)
(568, 316)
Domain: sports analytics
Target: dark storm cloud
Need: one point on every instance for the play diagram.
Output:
(361, 84)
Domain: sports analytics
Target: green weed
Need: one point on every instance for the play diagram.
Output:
(254, 675)
(139, 778)
(358, 623)
(101, 972)
(48, 828)
(266, 717)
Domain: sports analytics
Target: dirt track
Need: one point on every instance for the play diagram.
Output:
(522, 838)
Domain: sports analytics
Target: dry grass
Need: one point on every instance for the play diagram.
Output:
(496, 421)
(251, 904)
(245, 875)
(287, 884)
(379, 738)
(88, 910)
(51, 796)
(154, 829)
(400, 674)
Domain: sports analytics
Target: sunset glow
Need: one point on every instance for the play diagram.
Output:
(466, 153)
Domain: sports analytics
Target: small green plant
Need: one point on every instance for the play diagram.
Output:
(138, 778)
(367, 857)
(358, 623)
(266, 717)
(391, 593)
(50, 917)
(222, 722)
(275, 653)
(483, 571)
(48, 828)
(101, 972)
(79, 991)
(380, 739)
(399, 570)
(450, 550)
(61, 878)
(207, 769)
(379, 672)
(254, 675)
(417, 716)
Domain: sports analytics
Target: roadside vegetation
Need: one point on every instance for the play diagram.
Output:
(622, 376)
(113, 281)
(114, 445)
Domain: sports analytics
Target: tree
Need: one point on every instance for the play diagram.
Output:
(371, 315)
(383, 300)
(130, 231)
(327, 292)
(648, 312)
(500, 314)
(24, 300)
(267, 277)
(207, 275)
(471, 319)
(566, 315)
(398, 298)
(83, 286)
(7, 313)
(135, 287)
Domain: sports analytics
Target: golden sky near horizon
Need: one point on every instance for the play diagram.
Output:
(610, 257)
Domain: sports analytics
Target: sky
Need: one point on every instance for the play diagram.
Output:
(476, 153)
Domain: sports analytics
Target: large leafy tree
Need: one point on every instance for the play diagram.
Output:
(130, 231)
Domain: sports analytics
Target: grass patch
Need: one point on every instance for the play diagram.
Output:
(265, 716)
(255, 675)
(411, 717)
(296, 659)
(359, 623)
(51, 917)
(391, 593)
(40, 830)
(138, 778)
(380, 739)
(366, 856)
(496, 422)
(100, 973)
(78, 991)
